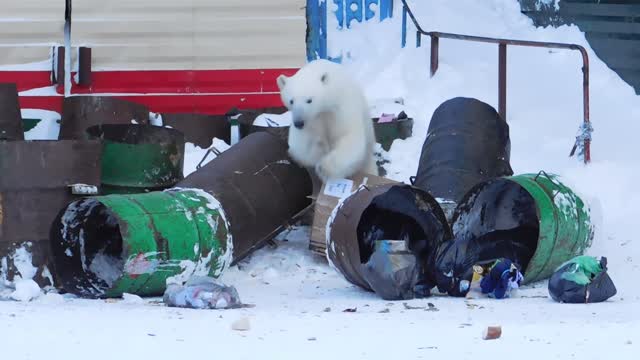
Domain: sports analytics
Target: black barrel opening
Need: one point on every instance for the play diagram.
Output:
(409, 214)
(402, 213)
(496, 219)
(87, 248)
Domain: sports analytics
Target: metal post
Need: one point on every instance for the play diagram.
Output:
(435, 44)
(585, 100)
(502, 80)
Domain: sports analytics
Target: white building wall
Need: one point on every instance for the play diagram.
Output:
(191, 34)
(29, 29)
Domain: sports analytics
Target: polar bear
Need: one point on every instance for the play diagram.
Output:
(331, 130)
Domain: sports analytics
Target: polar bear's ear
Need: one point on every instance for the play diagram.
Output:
(324, 78)
(282, 81)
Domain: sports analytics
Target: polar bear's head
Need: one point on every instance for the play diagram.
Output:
(311, 91)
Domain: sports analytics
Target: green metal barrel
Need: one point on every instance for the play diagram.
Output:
(565, 224)
(540, 201)
(139, 158)
(387, 132)
(105, 246)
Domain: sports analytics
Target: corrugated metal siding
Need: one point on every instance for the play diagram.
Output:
(612, 28)
(28, 29)
(191, 34)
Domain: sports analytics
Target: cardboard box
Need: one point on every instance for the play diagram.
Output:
(328, 198)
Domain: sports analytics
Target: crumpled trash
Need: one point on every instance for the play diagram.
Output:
(392, 270)
(202, 292)
(503, 277)
(582, 279)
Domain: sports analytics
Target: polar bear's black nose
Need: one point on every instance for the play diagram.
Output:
(299, 124)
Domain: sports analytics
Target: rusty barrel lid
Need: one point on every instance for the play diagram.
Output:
(82, 112)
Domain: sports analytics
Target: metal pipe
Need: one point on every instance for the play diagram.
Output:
(527, 43)
(502, 81)
(435, 46)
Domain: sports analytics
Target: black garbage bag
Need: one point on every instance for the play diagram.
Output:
(582, 280)
(496, 219)
(467, 143)
(398, 234)
(455, 259)
(392, 270)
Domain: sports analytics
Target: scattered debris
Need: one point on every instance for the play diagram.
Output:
(492, 333)
(202, 292)
(409, 307)
(503, 277)
(312, 339)
(432, 307)
(351, 310)
(384, 311)
(327, 309)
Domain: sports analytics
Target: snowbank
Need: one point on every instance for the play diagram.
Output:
(544, 104)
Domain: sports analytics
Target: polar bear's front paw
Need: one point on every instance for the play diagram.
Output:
(326, 169)
(323, 170)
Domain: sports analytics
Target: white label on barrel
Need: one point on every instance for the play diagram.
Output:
(340, 188)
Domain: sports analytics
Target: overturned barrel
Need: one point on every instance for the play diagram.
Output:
(139, 158)
(258, 185)
(106, 245)
(11, 127)
(467, 143)
(36, 180)
(384, 213)
(532, 219)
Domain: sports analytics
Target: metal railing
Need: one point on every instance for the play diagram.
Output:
(584, 137)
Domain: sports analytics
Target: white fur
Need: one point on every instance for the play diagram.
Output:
(337, 138)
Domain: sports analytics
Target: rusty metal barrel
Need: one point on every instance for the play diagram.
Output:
(139, 158)
(35, 179)
(384, 212)
(10, 117)
(81, 112)
(107, 245)
(259, 186)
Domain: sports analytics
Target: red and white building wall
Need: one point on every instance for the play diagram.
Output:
(202, 56)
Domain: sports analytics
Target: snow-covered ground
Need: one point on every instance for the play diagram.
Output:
(300, 301)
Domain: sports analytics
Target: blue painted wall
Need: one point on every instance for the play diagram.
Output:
(347, 12)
